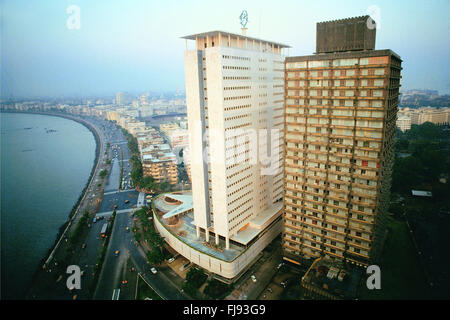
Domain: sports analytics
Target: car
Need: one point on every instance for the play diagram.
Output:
(95, 220)
(116, 253)
(280, 265)
(127, 229)
(153, 270)
(124, 281)
(171, 260)
(83, 246)
(126, 201)
(253, 278)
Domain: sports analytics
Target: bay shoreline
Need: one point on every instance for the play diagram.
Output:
(71, 216)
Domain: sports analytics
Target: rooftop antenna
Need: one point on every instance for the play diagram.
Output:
(244, 19)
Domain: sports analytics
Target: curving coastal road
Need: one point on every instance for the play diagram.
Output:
(100, 199)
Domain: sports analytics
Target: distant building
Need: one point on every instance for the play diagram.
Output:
(123, 98)
(168, 128)
(144, 99)
(159, 163)
(419, 116)
(404, 123)
(179, 138)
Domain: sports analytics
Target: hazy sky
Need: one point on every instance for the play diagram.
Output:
(135, 46)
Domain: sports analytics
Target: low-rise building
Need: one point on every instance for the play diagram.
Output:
(404, 123)
(179, 138)
(168, 128)
(160, 163)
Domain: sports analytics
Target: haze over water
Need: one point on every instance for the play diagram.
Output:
(45, 164)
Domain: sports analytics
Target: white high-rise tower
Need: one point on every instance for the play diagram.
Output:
(235, 106)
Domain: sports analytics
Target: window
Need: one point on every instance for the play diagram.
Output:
(378, 93)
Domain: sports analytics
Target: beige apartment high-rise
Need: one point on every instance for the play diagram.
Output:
(340, 118)
(235, 84)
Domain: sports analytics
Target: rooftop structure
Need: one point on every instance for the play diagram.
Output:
(346, 35)
(330, 279)
(233, 40)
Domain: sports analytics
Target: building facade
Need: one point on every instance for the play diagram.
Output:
(235, 88)
(161, 167)
(438, 116)
(404, 123)
(340, 119)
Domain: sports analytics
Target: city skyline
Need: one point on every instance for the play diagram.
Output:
(283, 165)
(116, 47)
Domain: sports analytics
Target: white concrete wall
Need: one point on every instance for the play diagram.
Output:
(195, 111)
(225, 269)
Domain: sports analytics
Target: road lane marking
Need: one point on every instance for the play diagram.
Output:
(108, 213)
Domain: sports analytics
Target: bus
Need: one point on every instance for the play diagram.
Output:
(104, 228)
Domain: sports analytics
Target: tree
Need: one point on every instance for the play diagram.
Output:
(156, 240)
(103, 173)
(155, 256)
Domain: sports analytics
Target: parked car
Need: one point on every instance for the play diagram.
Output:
(83, 246)
(116, 253)
(171, 260)
(253, 278)
(153, 270)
